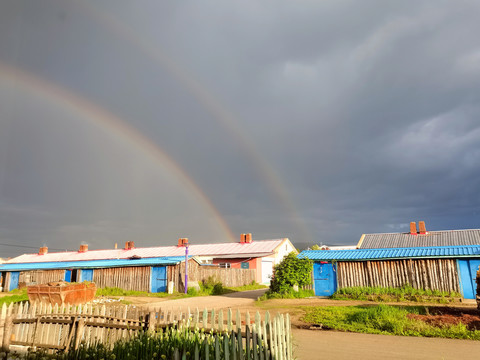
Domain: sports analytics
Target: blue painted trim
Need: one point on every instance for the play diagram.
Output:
(459, 277)
(92, 264)
(467, 251)
(14, 278)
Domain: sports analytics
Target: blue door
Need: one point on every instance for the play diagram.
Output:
(68, 275)
(14, 275)
(159, 279)
(324, 278)
(87, 275)
(468, 274)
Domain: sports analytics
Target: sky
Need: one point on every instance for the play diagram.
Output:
(313, 120)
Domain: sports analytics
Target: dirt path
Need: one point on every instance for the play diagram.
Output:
(312, 344)
(235, 300)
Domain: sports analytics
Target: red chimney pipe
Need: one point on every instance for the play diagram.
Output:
(248, 238)
(83, 248)
(421, 228)
(413, 228)
(182, 242)
(43, 250)
(242, 238)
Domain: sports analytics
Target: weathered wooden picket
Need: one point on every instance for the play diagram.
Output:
(65, 327)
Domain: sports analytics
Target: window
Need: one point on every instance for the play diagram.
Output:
(224, 265)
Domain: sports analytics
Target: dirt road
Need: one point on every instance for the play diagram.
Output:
(318, 344)
(234, 300)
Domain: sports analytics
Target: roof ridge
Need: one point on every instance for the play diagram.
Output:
(428, 231)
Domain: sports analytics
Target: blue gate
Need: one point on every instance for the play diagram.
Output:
(86, 275)
(324, 278)
(158, 279)
(68, 275)
(14, 276)
(468, 273)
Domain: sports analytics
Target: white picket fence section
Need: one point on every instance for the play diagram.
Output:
(63, 327)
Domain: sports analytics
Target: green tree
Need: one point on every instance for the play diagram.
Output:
(316, 247)
(291, 271)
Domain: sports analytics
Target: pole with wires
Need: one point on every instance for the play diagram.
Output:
(186, 268)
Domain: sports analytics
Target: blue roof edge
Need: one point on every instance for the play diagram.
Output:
(457, 251)
(92, 264)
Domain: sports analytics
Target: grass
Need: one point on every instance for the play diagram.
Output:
(115, 291)
(146, 346)
(390, 294)
(18, 295)
(300, 294)
(252, 286)
(207, 288)
(384, 319)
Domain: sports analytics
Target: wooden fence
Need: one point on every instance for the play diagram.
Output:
(135, 278)
(41, 276)
(435, 274)
(65, 327)
(229, 277)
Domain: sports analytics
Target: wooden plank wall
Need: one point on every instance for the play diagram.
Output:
(129, 278)
(434, 274)
(228, 277)
(41, 276)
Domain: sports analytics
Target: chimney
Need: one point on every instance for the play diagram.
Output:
(115, 246)
(242, 238)
(182, 242)
(129, 245)
(421, 228)
(413, 228)
(248, 238)
(43, 250)
(83, 248)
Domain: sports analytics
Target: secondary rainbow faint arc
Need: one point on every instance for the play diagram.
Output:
(113, 124)
(222, 115)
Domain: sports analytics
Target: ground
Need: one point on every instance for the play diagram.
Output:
(317, 344)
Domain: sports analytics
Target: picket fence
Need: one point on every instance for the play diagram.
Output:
(65, 327)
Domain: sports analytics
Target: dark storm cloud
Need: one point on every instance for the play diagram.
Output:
(367, 113)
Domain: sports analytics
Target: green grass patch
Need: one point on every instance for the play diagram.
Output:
(300, 294)
(391, 294)
(207, 288)
(147, 346)
(17, 295)
(252, 286)
(384, 319)
(115, 291)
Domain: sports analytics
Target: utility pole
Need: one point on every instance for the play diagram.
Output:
(186, 268)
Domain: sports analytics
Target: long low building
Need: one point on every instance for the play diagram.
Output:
(450, 265)
(150, 268)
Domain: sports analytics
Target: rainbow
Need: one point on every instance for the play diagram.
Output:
(110, 123)
(220, 113)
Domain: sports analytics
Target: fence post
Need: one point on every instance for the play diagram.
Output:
(79, 332)
(7, 333)
(151, 321)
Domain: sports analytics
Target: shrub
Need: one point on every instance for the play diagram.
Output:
(291, 271)
(211, 286)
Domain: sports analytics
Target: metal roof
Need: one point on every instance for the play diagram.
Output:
(393, 253)
(432, 238)
(92, 264)
(257, 247)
